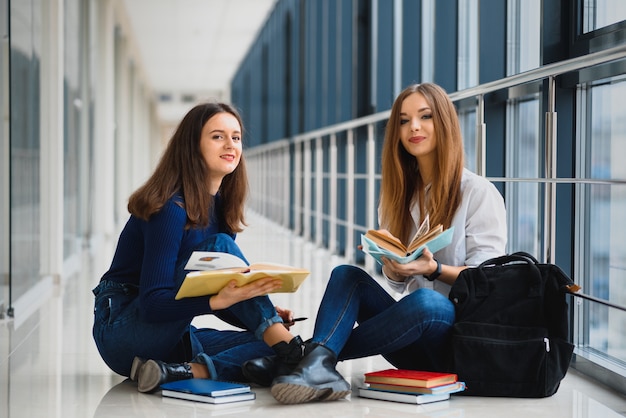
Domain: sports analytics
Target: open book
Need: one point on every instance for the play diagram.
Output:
(379, 244)
(211, 271)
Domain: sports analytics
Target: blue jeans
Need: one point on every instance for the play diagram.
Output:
(120, 334)
(411, 333)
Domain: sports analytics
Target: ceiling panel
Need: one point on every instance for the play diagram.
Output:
(191, 48)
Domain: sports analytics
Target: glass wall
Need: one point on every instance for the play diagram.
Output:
(602, 201)
(75, 123)
(524, 162)
(463, 44)
(524, 35)
(46, 157)
(5, 155)
(25, 61)
(601, 13)
(468, 44)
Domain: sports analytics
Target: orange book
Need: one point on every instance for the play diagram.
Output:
(411, 378)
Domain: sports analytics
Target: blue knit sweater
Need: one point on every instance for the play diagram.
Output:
(147, 254)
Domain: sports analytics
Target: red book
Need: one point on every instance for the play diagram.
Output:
(412, 378)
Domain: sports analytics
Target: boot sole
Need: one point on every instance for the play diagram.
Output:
(148, 377)
(135, 367)
(290, 394)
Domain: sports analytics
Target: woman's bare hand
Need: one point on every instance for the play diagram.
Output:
(422, 265)
(286, 315)
(231, 294)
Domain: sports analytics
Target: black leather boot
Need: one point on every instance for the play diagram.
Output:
(315, 378)
(154, 373)
(264, 370)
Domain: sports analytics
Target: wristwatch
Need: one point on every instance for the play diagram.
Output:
(436, 273)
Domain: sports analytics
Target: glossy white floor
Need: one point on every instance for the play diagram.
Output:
(49, 366)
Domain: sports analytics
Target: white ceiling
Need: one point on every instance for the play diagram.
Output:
(193, 47)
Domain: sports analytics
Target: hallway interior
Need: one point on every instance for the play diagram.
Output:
(49, 365)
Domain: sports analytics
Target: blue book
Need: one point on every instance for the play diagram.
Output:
(206, 390)
(379, 246)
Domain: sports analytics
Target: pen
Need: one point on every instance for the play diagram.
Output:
(299, 319)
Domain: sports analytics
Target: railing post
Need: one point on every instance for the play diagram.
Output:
(332, 195)
(285, 174)
(481, 137)
(349, 198)
(370, 203)
(297, 178)
(551, 174)
(319, 192)
(306, 188)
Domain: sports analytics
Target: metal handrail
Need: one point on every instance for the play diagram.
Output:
(307, 217)
(546, 71)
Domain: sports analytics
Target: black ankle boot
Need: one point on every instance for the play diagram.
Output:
(315, 378)
(153, 373)
(264, 370)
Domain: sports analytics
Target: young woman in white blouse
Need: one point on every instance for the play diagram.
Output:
(422, 173)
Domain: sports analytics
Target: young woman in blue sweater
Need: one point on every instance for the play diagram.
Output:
(194, 200)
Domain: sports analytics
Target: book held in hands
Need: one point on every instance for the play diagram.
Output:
(208, 391)
(211, 271)
(378, 243)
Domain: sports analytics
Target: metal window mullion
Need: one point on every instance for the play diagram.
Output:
(550, 173)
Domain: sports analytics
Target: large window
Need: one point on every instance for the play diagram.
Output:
(468, 44)
(428, 41)
(25, 55)
(600, 13)
(74, 107)
(467, 120)
(4, 156)
(602, 204)
(524, 156)
(524, 35)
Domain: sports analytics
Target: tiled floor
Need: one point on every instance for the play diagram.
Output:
(49, 366)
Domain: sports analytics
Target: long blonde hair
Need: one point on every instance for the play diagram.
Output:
(401, 181)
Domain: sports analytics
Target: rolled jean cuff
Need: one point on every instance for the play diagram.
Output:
(265, 325)
(203, 358)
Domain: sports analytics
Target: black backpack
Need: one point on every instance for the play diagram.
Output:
(510, 337)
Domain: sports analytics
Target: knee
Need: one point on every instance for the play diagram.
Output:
(347, 275)
(429, 304)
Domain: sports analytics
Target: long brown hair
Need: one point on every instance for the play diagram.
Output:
(401, 181)
(182, 169)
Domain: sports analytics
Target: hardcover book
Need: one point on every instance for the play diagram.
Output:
(211, 271)
(402, 397)
(208, 391)
(413, 378)
(451, 388)
(378, 243)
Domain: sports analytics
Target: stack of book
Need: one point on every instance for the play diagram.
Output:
(410, 386)
(209, 391)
